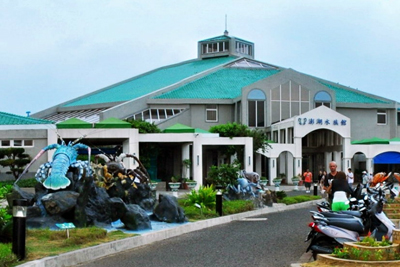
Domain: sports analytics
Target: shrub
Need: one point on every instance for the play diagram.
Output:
(224, 175)
(31, 182)
(6, 256)
(205, 197)
(237, 206)
(4, 190)
(281, 195)
(298, 199)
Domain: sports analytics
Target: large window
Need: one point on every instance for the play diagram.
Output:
(288, 100)
(322, 98)
(211, 113)
(215, 47)
(381, 116)
(244, 48)
(256, 108)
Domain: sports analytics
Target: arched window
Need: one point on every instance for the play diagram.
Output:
(256, 108)
(322, 98)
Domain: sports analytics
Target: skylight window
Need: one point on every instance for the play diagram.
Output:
(246, 63)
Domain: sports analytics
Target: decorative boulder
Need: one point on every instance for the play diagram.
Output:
(168, 210)
(132, 215)
(60, 202)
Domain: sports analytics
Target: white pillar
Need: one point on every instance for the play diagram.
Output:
(248, 155)
(347, 164)
(369, 165)
(197, 162)
(258, 163)
(272, 170)
(131, 146)
(185, 155)
(328, 158)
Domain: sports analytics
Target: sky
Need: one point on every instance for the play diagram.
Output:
(52, 51)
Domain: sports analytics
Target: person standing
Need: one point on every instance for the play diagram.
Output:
(340, 191)
(350, 177)
(330, 177)
(307, 180)
(365, 178)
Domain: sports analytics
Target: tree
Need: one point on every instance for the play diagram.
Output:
(240, 130)
(15, 159)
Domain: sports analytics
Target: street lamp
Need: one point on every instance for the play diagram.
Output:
(315, 188)
(218, 200)
(20, 208)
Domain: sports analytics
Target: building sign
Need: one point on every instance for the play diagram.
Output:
(319, 121)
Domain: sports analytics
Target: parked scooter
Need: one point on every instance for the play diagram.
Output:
(331, 229)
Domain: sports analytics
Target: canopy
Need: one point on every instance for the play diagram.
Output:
(371, 141)
(73, 123)
(112, 123)
(179, 128)
(387, 158)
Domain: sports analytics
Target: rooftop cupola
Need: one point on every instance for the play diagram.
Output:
(225, 45)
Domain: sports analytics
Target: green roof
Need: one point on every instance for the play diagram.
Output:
(371, 141)
(217, 38)
(347, 96)
(74, 123)
(150, 82)
(112, 123)
(12, 119)
(179, 128)
(223, 84)
(222, 38)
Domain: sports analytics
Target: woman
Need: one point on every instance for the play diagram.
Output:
(340, 190)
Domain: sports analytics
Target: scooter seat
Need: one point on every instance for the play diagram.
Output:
(355, 213)
(334, 214)
(352, 224)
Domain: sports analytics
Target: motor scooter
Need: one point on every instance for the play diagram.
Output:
(331, 229)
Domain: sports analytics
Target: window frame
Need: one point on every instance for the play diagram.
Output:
(383, 114)
(210, 110)
(16, 143)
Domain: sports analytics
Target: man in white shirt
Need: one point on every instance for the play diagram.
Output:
(350, 177)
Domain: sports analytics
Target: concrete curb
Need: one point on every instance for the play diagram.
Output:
(106, 249)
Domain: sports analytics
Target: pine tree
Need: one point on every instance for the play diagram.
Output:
(15, 159)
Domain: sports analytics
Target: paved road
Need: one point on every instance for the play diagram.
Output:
(275, 239)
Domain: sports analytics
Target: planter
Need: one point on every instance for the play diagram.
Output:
(277, 183)
(153, 186)
(296, 184)
(330, 260)
(263, 182)
(191, 185)
(368, 253)
(396, 236)
(174, 186)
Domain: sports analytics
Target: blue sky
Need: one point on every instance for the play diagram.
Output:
(54, 50)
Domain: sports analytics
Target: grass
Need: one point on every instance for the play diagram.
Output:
(41, 243)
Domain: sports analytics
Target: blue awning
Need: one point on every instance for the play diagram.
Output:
(387, 158)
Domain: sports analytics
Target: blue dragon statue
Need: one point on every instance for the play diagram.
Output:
(64, 157)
